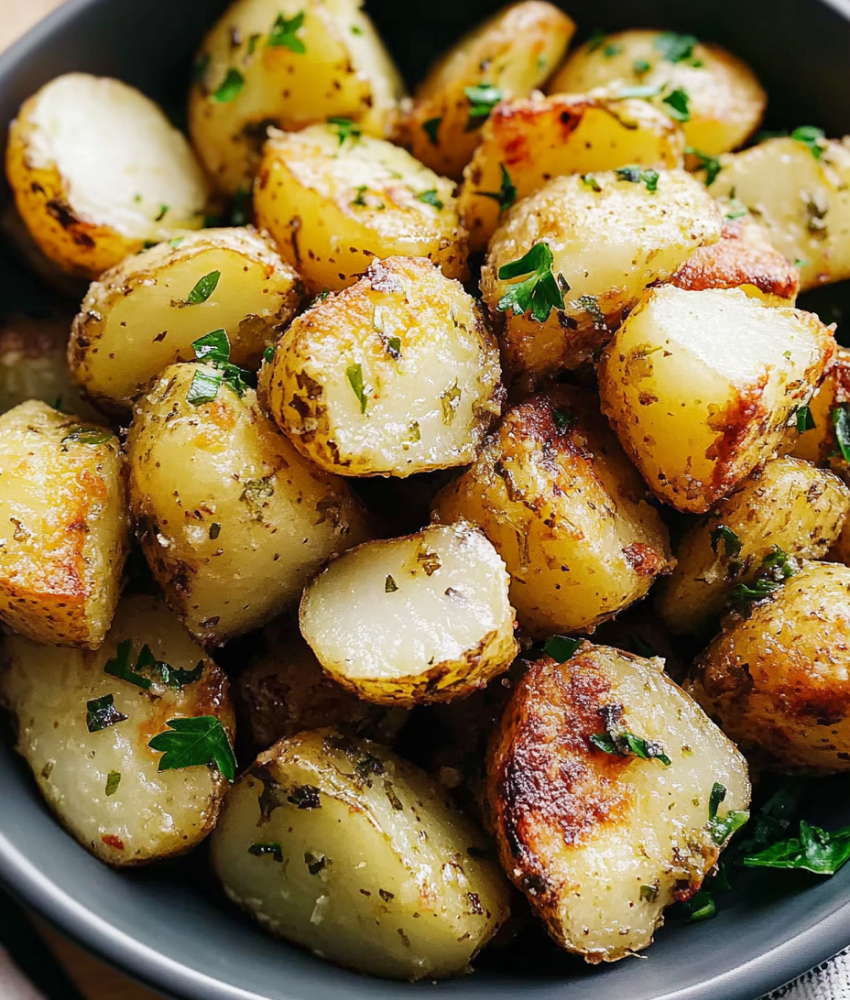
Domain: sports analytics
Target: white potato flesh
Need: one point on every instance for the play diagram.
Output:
(413, 620)
(136, 319)
(700, 387)
(106, 786)
(345, 849)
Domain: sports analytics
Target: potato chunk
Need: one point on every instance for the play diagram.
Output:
(142, 315)
(526, 142)
(566, 510)
(334, 200)
(799, 194)
(788, 504)
(700, 387)
(287, 64)
(509, 55)
(599, 839)
(98, 170)
(778, 680)
(85, 721)
(63, 526)
(346, 849)
(413, 620)
(608, 245)
(723, 101)
(815, 440)
(394, 376)
(231, 519)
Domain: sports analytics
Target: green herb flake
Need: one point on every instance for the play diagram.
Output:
(267, 849)
(163, 211)
(641, 66)
(204, 387)
(814, 139)
(394, 347)
(431, 198)
(561, 647)
(540, 293)
(622, 743)
(195, 742)
(175, 243)
(229, 87)
(710, 164)
(722, 827)
(431, 128)
(119, 666)
(204, 288)
(354, 374)
(113, 780)
(283, 33)
(449, 402)
(390, 586)
(562, 420)
(736, 213)
(596, 40)
(676, 105)
(701, 906)
(841, 422)
(356, 29)
(731, 542)
(805, 420)
(88, 435)
(101, 713)
(612, 49)
(345, 129)
(590, 181)
(822, 852)
(214, 349)
(649, 893)
(675, 48)
(506, 195)
(641, 90)
(482, 99)
(635, 175)
(268, 354)
(252, 42)
(359, 199)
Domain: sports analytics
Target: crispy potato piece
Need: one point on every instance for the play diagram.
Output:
(287, 64)
(602, 843)
(334, 202)
(63, 526)
(700, 386)
(818, 444)
(536, 139)
(105, 785)
(608, 244)
(800, 199)
(509, 55)
(778, 680)
(412, 620)
(724, 102)
(555, 494)
(394, 376)
(348, 850)
(137, 318)
(98, 170)
(232, 520)
(788, 504)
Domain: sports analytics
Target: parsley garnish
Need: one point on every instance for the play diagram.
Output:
(540, 293)
(612, 49)
(731, 542)
(813, 138)
(101, 713)
(354, 374)
(642, 90)
(175, 243)
(722, 828)
(268, 353)
(700, 906)
(283, 32)
(561, 647)
(430, 128)
(776, 567)
(358, 198)
(229, 87)
(390, 586)
(562, 419)
(506, 195)
(590, 181)
(622, 743)
(641, 66)
(805, 420)
(675, 48)
(710, 164)
(214, 349)
(267, 850)
(482, 99)
(163, 211)
(113, 780)
(449, 402)
(204, 387)
(194, 742)
(677, 105)
(431, 198)
(119, 666)
(648, 893)
(346, 129)
(841, 421)
(88, 435)
(204, 288)
(815, 850)
(736, 213)
(635, 174)
(595, 41)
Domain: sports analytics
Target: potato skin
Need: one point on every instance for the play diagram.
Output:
(514, 51)
(151, 814)
(231, 519)
(376, 870)
(777, 679)
(63, 526)
(565, 510)
(581, 831)
(135, 320)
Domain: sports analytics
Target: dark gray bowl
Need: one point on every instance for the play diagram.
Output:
(167, 926)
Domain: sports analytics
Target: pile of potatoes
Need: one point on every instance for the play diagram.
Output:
(541, 313)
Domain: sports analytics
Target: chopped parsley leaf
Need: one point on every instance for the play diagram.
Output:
(345, 129)
(101, 713)
(677, 105)
(595, 41)
(390, 586)
(562, 419)
(731, 542)
(841, 422)
(540, 293)
(354, 374)
(813, 138)
(229, 87)
(283, 32)
(482, 99)
(641, 66)
(710, 164)
(204, 288)
(561, 647)
(113, 780)
(815, 850)
(195, 742)
(675, 48)
(431, 198)
(88, 435)
(589, 180)
(805, 420)
(635, 174)
(430, 128)
(506, 195)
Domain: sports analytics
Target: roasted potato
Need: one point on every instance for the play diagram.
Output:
(605, 242)
(527, 142)
(97, 171)
(600, 833)
(232, 520)
(700, 387)
(509, 55)
(778, 679)
(714, 94)
(85, 721)
(815, 437)
(787, 504)
(394, 376)
(444, 629)
(798, 192)
(346, 849)
(334, 200)
(555, 494)
(63, 526)
(287, 64)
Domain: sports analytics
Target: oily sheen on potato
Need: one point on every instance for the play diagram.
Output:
(413, 620)
(84, 730)
(603, 841)
(346, 849)
(700, 386)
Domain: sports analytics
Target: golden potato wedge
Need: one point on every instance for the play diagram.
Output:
(778, 680)
(408, 621)
(787, 504)
(144, 314)
(700, 387)
(286, 64)
(348, 850)
(723, 101)
(798, 192)
(97, 171)
(85, 721)
(334, 201)
(509, 55)
(566, 510)
(607, 242)
(232, 520)
(527, 142)
(602, 780)
(64, 530)
(394, 376)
